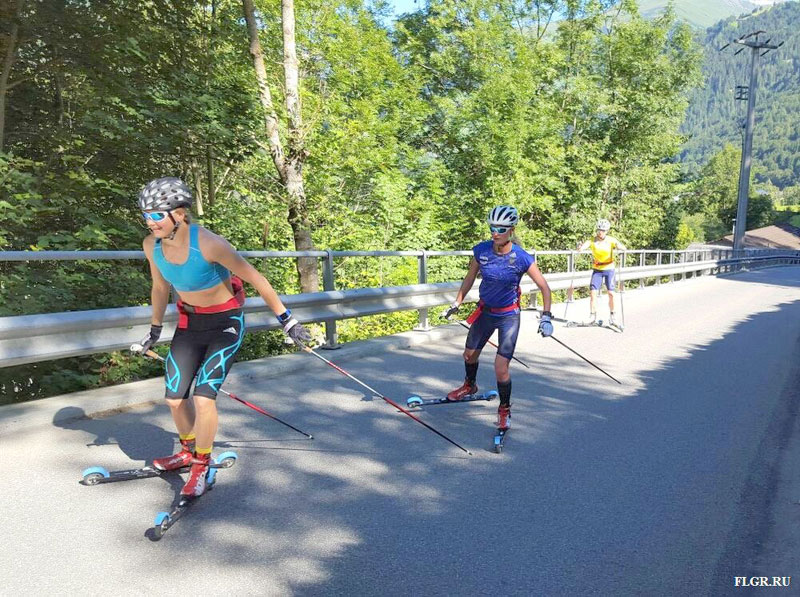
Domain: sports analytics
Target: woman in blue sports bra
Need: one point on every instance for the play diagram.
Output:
(198, 264)
(502, 265)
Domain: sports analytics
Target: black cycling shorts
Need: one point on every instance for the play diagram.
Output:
(204, 350)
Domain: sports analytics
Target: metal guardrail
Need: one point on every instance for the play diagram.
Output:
(42, 337)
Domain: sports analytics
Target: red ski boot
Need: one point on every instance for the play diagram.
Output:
(196, 485)
(504, 417)
(465, 390)
(180, 460)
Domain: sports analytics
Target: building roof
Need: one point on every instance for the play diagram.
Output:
(776, 236)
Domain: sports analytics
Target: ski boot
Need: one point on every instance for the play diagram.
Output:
(177, 461)
(504, 416)
(466, 389)
(611, 319)
(196, 485)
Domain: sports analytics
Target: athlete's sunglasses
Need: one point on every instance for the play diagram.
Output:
(499, 229)
(156, 216)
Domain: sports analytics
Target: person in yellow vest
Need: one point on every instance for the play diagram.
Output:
(602, 247)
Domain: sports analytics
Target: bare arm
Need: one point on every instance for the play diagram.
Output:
(159, 294)
(537, 277)
(469, 280)
(219, 250)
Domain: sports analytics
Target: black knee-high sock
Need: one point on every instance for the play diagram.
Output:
(472, 371)
(504, 389)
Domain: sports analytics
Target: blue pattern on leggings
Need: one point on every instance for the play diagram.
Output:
(215, 367)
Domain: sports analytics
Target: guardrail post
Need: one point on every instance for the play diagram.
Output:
(658, 263)
(672, 262)
(328, 283)
(422, 277)
(683, 262)
(641, 264)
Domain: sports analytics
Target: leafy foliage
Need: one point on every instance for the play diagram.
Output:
(413, 133)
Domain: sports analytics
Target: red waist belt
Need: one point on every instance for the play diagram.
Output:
(236, 301)
(477, 312)
(596, 263)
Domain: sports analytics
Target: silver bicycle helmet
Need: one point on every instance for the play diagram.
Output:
(165, 194)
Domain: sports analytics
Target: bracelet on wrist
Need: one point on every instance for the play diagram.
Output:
(285, 316)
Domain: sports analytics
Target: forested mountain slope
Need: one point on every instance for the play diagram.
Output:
(715, 118)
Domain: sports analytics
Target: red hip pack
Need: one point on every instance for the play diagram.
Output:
(236, 301)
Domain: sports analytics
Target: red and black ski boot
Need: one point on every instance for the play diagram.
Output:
(504, 417)
(180, 460)
(468, 388)
(196, 485)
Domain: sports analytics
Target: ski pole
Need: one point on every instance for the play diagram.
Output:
(585, 359)
(381, 396)
(571, 289)
(523, 363)
(621, 302)
(154, 355)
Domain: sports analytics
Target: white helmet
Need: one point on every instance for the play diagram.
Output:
(165, 194)
(603, 225)
(503, 215)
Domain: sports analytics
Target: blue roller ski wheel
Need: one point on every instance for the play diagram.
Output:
(161, 524)
(498, 443)
(413, 401)
(94, 474)
(226, 459)
(211, 477)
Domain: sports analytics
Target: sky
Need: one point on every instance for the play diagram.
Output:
(401, 6)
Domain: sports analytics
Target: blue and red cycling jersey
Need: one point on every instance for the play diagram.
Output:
(501, 274)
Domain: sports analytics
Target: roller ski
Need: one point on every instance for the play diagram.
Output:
(201, 480)
(596, 323)
(503, 426)
(416, 401)
(97, 475)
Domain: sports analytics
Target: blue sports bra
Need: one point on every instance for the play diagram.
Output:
(193, 274)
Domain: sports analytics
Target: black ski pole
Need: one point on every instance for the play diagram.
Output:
(381, 396)
(585, 359)
(154, 355)
(523, 363)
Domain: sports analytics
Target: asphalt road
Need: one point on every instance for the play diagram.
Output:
(673, 483)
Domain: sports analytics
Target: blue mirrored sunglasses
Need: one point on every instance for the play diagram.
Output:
(156, 216)
(499, 229)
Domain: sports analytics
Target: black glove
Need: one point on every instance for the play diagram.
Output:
(545, 326)
(294, 329)
(150, 339)
(451, 311)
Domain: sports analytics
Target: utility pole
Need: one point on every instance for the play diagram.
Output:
(747, 93)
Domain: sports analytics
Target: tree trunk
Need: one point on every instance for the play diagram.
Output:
(8, 63)
(210, 176)
(289, 167)
(298, 212)
(270, 118)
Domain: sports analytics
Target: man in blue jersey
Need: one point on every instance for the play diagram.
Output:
(502, 265)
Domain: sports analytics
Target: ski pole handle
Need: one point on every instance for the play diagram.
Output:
(149, 353)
